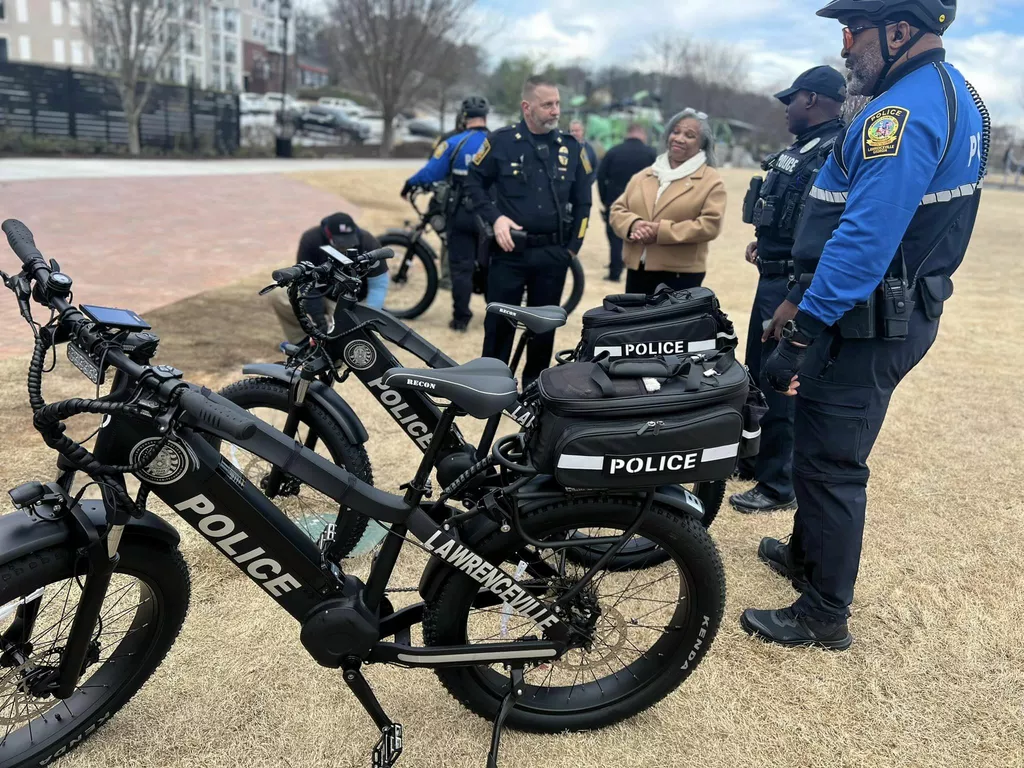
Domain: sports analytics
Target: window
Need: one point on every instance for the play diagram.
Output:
(229, 78)
(25, 48)
(75, 14)
(77, 53)
(3, 15)
(3, 47)
(57, 12)
(22, 11)
(229, 56)
(58, 50)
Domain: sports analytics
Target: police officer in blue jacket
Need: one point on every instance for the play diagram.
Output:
(773, 205)
(540, 177)
(889, 220)
(449, 163)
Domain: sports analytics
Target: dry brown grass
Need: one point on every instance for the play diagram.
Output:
(935, 677)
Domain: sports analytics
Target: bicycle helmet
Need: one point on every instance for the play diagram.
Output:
(475, 106)
(931, 15)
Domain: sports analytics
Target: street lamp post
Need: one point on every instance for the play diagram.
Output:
(284, 13)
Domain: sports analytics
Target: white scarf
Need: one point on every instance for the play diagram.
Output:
(666, 174)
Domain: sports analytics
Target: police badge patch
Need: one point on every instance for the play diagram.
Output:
(441, 149)
(883, 132)
(585, 160)
(482, 152)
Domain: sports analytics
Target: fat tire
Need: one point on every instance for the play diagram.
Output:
(579, 282)
(165, 571)
(711, 494)
(396, 240)
(445, 618)
(265, 392)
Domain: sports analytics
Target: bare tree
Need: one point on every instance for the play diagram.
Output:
(459, 66)
(133, 39)
(393, 46)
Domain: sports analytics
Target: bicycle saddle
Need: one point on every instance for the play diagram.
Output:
(533, 319)
(481, 387)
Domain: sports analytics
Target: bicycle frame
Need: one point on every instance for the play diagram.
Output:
(209, 493)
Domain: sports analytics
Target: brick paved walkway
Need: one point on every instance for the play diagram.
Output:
(143, 243)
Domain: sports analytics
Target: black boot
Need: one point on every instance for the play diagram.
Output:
(756, 501)
(459, 324)
(791, 627)
(777, 556)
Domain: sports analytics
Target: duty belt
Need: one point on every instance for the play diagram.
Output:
(775, 268)
(542, 240)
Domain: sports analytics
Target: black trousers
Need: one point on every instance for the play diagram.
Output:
(845, 388)
(541, 273)
(462, 245)
(773, 465)
(615, 244)
(642, 281)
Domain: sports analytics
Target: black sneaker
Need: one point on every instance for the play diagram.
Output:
(776, 555)
(755, 501)
(459, 325)
(792, 628)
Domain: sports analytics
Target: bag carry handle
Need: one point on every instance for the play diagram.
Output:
(619, 302)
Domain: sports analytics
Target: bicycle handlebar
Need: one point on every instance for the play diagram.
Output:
(215, 415)
(23, 244)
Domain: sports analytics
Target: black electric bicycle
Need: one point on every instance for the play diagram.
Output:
(94, 592)
(414, 274)
(299, 397)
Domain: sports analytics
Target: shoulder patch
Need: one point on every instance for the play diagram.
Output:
(440, 150)
(482, 152)
(883, 132)
(585, 160)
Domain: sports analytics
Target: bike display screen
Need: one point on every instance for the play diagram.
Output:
(112, 317)
(336, 255)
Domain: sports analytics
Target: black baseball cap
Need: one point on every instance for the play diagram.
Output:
(823, 80)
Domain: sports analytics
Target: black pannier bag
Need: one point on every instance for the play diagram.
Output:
(667, 322)
(628, 424)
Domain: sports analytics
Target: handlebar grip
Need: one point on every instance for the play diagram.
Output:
(378, 254)
(282, 276)
(216, 416)
(22, 242)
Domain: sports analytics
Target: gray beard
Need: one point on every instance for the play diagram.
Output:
(862, 76)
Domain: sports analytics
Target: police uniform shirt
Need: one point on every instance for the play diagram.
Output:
(522, 167)
(789, 175)
(442, 162)
(905, 174)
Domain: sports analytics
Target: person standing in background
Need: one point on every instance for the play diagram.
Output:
(620, 164)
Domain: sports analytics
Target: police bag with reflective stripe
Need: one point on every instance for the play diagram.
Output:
(667, 322)
(628, 424)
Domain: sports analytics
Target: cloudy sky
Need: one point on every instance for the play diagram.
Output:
(781, 37)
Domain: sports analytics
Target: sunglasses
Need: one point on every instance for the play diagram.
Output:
(849, 33)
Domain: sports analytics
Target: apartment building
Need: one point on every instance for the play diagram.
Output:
(209, 48)
(263, 55)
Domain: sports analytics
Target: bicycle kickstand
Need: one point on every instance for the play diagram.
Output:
(514, 692)
(389, 747)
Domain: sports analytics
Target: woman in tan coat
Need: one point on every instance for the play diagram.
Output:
(672, 210)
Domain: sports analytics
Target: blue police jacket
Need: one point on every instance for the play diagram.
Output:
(905, 181)
(442, 162)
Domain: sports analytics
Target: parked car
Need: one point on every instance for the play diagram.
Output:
(334, 122)
(347, 106)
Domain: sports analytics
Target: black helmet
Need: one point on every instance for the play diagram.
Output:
(932, 15)
(475, 106)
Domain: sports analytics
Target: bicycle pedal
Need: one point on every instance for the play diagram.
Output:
(389, 748)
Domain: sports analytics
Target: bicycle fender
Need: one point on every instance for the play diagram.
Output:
(335, 405)
(21, 535)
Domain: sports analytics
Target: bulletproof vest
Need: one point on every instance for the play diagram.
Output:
(773, 205)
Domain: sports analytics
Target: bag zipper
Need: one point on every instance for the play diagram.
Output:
(618, 318)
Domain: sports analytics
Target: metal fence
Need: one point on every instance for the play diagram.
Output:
(66, 103)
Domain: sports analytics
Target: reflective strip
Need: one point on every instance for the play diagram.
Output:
(722, 452)
(573, 461)
(702, 346)
(827, 196)
(751, 435)
(613, 351)
(965, 190)
(447, 658)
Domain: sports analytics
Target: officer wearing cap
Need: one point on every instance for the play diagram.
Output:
(540, 176)
(773, 206)
(449, 164)
(887, 223)
(340, 231)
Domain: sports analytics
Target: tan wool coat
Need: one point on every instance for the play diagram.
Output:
(690, 213)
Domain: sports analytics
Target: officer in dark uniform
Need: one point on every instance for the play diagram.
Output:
(773, 206)
(887, 224)
(448, 164)
(539, 215)
(619, 165)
